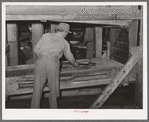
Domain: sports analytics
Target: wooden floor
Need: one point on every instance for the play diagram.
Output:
(122, 98)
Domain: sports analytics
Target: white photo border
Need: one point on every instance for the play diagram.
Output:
(69, 114)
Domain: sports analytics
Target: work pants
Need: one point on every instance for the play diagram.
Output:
(46, 67)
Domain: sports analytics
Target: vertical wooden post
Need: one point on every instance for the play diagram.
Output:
(139, 86)
(37, 32)
(133, 35)
(108, 49)
(113, 35)
(139, 79)
(141, 32)
(54, 27)
(12, 36)
(133, 32)
(7, 49)
(98, 41)
(88, 39)
(108, 44)
(6, 55)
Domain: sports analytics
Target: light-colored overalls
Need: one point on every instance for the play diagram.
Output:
(47, 67)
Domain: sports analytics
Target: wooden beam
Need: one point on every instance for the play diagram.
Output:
(76, 78)
(108, 49)
(70, 77)
(98, 41)
(88, 39)
(37, 32)
(64, 93)
(15, 89)
(138, 54)
(133, 33)
(54, 27)
(12, 36)
(7, 49)
(75, 12)
(57, 18)
(139, 76)
(101, 66)
(139, 86)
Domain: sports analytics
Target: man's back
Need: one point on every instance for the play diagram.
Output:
(52, 43)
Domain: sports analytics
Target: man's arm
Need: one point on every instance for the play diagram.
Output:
(69, 55)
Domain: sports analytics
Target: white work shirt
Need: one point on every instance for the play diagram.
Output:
(52, 43)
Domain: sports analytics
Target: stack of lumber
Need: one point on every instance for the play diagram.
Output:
(20, 78)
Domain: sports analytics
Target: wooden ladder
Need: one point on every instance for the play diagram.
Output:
(136, 56)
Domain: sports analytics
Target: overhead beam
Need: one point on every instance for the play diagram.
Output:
(70, 19)
(76, 12)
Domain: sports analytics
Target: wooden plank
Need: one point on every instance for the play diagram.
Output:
(72, 72)
(64, 93)
(78, 77)
(126, 81)
(75, 12)
(37, 32)
(98, 41)
(139, 77)
(68, 70)
(133, 33)
(139, 90)
(72, 18)
(141, 32)
(29, 79)
(57, 18)
(98, 61)
(118, 79)
(108, 49)
(63, 85)
(7, 49)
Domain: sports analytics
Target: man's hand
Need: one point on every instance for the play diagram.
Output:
(76, 64)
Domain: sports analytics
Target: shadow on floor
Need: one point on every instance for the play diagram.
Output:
(122, 98)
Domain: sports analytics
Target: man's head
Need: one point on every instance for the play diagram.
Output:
(64, 28)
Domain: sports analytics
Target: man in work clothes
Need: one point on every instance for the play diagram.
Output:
(49, 49)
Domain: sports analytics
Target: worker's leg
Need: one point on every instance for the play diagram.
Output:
(39, 81)
(53, 82)
(57, 82)
(52, 87)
